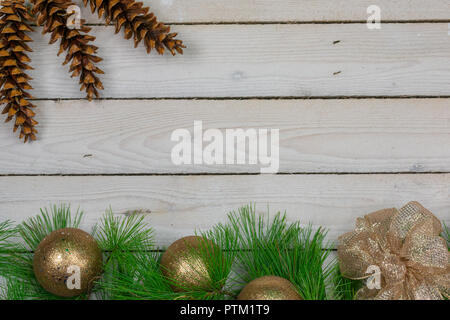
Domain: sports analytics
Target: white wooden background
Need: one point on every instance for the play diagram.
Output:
(364, 116)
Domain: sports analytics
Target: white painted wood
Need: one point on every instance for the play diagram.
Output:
(264, 60)
(134, 136)
(201, 11)
(180, 204)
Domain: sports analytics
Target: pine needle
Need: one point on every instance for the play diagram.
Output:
(137, 277)
(35, 229)
(14, 290)
(123, 233)
(274, 247)
(7, 231)
(220, 259)
(344, 288)
(127, 242)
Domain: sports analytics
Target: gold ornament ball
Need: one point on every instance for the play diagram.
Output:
(184, 263)
(269, 288)
(65, 256)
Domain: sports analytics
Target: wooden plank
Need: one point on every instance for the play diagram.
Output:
(214, 11)
(179, 204)
(134, 136)
(264, 61)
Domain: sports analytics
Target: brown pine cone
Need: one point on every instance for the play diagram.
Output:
(81, 55)
(14, 20)
(138, 23)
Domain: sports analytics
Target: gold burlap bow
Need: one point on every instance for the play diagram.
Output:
(405, 247)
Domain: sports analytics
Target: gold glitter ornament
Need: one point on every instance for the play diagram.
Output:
(184, 263)
(269, 288)
(67, 262)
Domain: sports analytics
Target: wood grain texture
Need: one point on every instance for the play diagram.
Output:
(266, 61)
(216, 11)
(134, 136)
(180, 204)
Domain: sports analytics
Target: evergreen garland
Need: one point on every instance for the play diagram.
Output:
(247, 246)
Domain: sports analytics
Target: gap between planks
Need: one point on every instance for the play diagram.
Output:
(252, 98)
(212, 23)
(194, 174)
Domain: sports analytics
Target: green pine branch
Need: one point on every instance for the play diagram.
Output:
(127, 242)
(288, 250)
(121, 239)
(136, 277)
(342, 287)
(139, 260)
(14, 290)
(253, 244)
(7, 233)
(35, 229)
(126, 233)
(21, 283)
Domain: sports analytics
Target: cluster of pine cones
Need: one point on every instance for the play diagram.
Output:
(15, 20)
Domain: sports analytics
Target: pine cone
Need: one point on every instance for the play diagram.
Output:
(53, 15)
(139, 23)
(14, 20)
